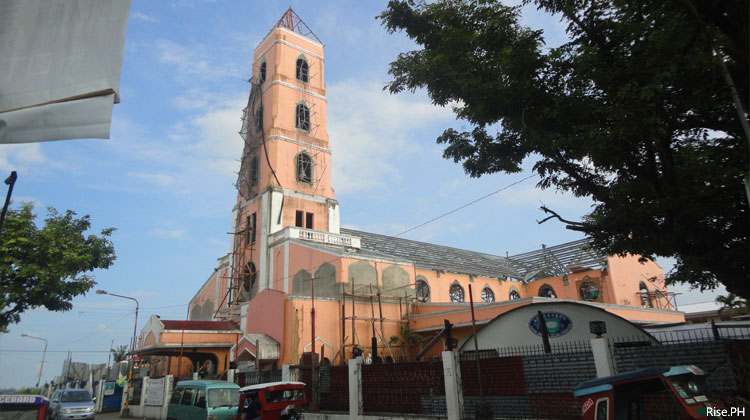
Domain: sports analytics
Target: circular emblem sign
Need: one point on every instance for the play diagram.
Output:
(557, 324)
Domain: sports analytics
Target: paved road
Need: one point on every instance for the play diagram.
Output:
(109, 416)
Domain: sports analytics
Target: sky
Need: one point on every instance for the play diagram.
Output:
(165, 178)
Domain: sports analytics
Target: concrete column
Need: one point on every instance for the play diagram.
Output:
(355, 387)
(99, 396)
(142, 404)
(454, 396)
(167, 396)
(605, 366)
(287, 374)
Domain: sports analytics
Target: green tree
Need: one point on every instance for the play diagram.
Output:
(47, 266)
(633, 111)
(407, 340)
(733, 303)
(120, 353)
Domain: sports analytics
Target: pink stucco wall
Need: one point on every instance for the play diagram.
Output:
(627, 272)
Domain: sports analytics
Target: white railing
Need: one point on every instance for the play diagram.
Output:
(328, 238)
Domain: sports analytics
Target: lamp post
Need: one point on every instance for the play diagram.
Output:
(44, 355)
(10, 182)
(126, 411)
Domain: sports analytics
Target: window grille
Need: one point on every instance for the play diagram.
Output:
(547, 291)
(302, 70)
(513, 295)
(263, 72)
(456, 293)
(488, 295)
(302, 120)
(423, 291)
(304, 168)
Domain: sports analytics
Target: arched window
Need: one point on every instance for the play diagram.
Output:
(302, 117)
(423, 291)
(253, 175)
(513, 295)
(456, 293)
(588, 290)
(259, 118)
(304, 168)
(547, 291)
(488, 295)
(249, 275)
(302, 70)
(262, 75)
(645, 297)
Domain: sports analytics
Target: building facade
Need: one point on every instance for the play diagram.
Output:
(289, 255)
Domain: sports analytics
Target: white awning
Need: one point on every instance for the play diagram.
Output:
(61, 62)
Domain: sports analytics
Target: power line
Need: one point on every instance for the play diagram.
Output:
(53, 351)
(466, 205)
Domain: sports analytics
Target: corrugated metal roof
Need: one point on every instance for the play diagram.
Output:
(546, 262)
(200, 325)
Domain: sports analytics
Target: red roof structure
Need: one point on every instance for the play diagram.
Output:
(200, 325)
(294, 23)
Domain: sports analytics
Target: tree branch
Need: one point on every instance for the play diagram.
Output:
(577, 226)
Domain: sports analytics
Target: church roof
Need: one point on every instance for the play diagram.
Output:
(546, 262)
(199, 325)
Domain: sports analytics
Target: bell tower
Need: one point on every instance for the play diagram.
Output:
(285, 171)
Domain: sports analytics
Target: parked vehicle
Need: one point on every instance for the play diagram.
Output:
(204, 400)
(676, 392)
(23, 407)
(71, 404)
(278, 400)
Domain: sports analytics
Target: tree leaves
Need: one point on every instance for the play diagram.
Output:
(48, 266)
(632, 111)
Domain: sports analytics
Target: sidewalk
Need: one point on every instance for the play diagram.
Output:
(113, 415)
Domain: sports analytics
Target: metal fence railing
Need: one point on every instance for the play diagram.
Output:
(258, 377)
(526, 381)
(408, 388)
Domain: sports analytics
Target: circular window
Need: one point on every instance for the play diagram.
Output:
(423, 291)
(547, 291)
(456, 293)
(513, 295)
(488, 295)
(589, 290)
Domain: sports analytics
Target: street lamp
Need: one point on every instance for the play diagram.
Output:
(126, 411)
(44, 355)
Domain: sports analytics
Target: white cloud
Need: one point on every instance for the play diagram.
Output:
(20, 156)
(372, 133)
(160, 179)
(168, 233)
(194, 61)
(144, 17)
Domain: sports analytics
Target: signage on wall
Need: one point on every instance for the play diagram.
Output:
(558, 324)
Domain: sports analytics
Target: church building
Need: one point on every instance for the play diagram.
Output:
(295, 281)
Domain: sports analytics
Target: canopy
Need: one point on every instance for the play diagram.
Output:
(61, 62)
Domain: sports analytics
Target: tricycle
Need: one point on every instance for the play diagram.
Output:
(23, 407)
(271, 401)
(676, 392)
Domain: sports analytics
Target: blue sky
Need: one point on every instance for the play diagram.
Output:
(165, 178)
